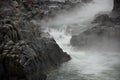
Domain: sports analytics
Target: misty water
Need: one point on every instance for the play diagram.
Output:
(89, 63)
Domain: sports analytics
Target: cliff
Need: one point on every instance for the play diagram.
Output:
(26, 51)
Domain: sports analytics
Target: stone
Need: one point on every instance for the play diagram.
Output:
(26, 51)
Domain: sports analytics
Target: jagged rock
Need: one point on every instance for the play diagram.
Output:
(28, 53)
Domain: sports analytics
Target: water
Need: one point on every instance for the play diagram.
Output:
(85, 65)
(89, 63)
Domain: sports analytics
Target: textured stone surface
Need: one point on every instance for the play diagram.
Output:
(26, 52)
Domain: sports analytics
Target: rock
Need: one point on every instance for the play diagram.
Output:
(116, 9)
(116, 5)
(102, 19)
(26, 51)
(107, 28)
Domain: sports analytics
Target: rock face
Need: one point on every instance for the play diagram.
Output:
(107, 28)
(26, 52)
(116, 5)
(116, 8)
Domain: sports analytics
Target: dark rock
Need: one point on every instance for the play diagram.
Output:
(26, 52)
(116, 9)
(116, 5)
(102, 19)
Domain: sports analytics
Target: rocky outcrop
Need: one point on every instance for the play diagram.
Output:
(26, 51)
(116, 9)
(107, 28)
(116, 5)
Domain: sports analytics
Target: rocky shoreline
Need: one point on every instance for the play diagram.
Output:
(26, 51)
(29, 53)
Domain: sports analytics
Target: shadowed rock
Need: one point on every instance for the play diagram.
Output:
(26, 52)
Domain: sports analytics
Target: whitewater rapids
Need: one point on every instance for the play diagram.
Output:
(87, 64)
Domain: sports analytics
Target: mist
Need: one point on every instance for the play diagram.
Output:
(80, 14)
(95, 62)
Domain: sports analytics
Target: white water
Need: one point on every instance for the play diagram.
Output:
(87, 64)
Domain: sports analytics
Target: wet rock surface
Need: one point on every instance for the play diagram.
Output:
(26, 51)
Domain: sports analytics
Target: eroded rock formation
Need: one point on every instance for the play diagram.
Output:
(26, 52)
